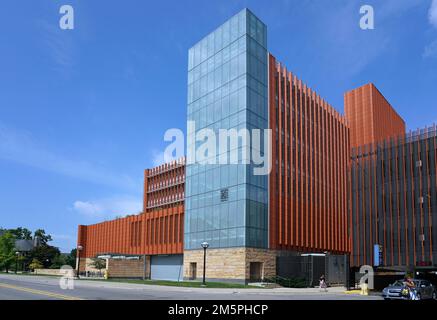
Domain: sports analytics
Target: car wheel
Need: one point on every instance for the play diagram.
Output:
(434, 295)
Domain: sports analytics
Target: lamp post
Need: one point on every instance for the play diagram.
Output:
(79, 249)
(326, 266)
(16, 261)
(205, 246)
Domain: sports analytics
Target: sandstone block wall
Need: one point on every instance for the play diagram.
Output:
(231, 264)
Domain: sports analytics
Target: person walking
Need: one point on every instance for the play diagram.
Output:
(322, 283)
(409, 283)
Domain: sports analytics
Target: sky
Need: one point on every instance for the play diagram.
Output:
(83, 112)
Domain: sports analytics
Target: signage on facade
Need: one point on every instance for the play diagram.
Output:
(377, 255)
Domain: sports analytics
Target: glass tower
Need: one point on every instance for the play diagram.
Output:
(226, 204)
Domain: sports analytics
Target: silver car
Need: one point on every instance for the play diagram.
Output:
(424, 289)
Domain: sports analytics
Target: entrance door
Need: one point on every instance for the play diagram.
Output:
(256, 271)
(193, 270)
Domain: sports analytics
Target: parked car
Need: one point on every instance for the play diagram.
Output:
(424, 289)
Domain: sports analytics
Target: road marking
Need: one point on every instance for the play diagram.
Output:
(352, 292)
(39, 292)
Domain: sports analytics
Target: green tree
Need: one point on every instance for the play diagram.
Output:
(42, 236)
(59, 261)
(97, 263)
(7, 251)
(21, 233)
(46, 254)
(35, 264)
(71, 258)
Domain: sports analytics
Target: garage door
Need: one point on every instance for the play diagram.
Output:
(167, 267)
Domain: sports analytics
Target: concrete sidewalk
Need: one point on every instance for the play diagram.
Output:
(332, 290)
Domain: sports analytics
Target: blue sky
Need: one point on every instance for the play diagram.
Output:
(83, 112)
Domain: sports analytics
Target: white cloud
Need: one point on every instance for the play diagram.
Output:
(343, 47)
(108, 208)
(88, 208)
(430, 50)
(20, 147)
(157, 158)
(432, 13)
(58, 45)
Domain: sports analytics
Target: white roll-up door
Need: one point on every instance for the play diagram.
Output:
(167, 267)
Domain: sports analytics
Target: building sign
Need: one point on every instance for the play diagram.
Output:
(377, 255)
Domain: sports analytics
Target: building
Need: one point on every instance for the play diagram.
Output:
(250, 221)
(394, 202)
(234, 79)
(23, 245)
(392, 187)
(327, 197)
(370, 116)
(155, 235)
(226, 205)
(308, 183)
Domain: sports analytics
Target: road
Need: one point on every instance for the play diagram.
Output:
(24, 287)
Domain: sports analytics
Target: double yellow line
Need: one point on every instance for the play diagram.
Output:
(39, 292)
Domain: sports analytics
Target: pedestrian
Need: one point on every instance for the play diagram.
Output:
(411, 285)
(322, 283)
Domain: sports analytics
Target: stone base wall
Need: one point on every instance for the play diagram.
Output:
(229, 264)
(49, 272)
(267, 257)
(121, 268)
(86, 265)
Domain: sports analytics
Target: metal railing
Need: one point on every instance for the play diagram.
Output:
(288, 282)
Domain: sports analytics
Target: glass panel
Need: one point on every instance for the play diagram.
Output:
(219, 79)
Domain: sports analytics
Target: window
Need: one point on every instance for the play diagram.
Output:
(224, 194)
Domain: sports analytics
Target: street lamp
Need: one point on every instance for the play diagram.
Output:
(205, 246)
(16, 261)
(79, 249)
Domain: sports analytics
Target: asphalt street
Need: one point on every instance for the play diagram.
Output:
(23, 287)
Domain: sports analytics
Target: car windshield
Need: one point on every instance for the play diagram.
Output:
(398, 283)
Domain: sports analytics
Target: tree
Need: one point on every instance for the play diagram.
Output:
(35, 264)
(42, 236)
(21, 233)
(58, 261)
(71, 258)
(7, 251)
(98, 263)
(46, 254)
